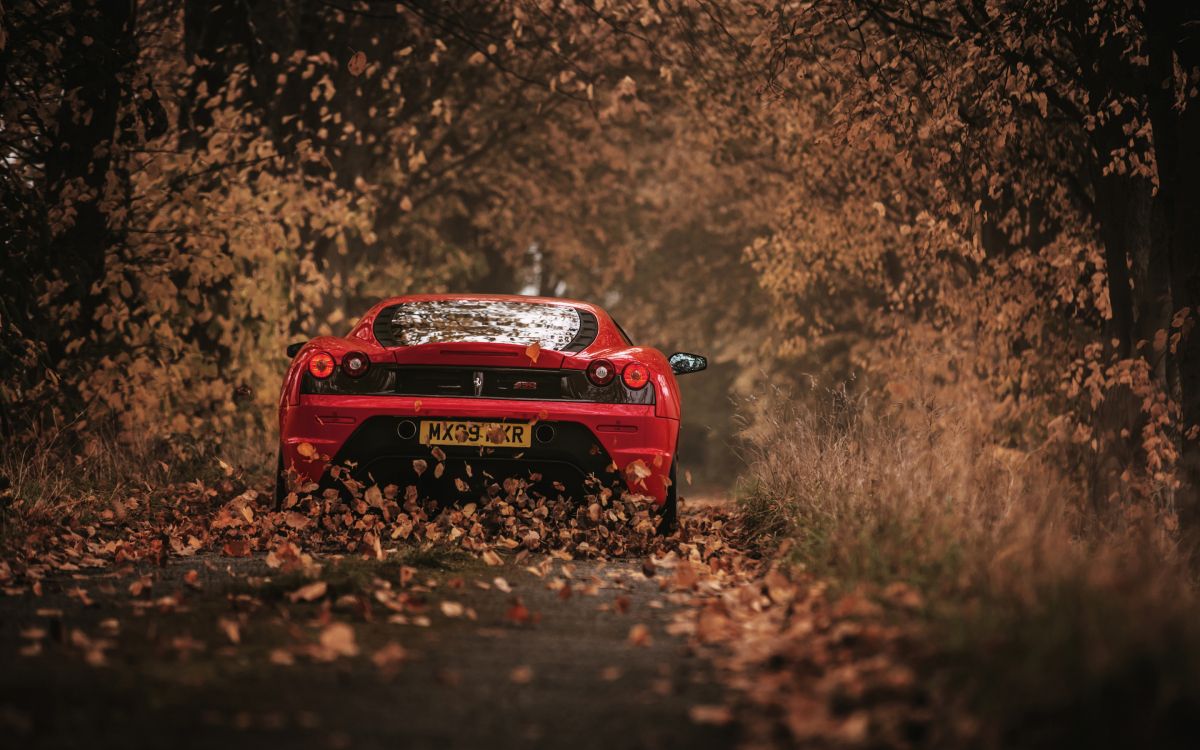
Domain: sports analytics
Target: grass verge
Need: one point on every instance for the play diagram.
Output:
(1047, 623)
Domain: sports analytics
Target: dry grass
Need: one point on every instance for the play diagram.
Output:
(1052, 625)
(58, 474)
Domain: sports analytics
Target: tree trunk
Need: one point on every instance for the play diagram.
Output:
(95, 53)
(1115, 212)
(1174, 41)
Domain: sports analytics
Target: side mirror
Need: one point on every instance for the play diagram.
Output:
(682, 363)
(294, 349)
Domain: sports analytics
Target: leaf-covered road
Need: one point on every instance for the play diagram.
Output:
(201, 659)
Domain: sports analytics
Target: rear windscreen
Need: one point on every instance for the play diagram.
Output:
(552, 327)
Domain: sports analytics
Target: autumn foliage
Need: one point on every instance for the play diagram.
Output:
(972, 226)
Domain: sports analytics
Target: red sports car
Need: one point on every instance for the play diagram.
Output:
(494, 386)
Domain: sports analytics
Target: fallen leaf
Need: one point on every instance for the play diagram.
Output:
(237, 548)
(374, 497)
(141, 586)
(639, 635)
(518, 613)
(338, 639)
(714, 715)
(389, 657)
(297, 521)
(522, 675)
(230, 629)
(309, 592)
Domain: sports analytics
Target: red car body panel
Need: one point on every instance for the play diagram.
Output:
(629, 433)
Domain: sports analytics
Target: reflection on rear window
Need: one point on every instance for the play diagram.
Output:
(412, 323)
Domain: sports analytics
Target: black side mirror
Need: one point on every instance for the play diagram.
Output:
(682, 363)
(294, 349)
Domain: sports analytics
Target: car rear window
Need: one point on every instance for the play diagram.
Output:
(554, 327)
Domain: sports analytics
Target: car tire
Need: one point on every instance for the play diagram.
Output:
(280, 481)
(668, 518)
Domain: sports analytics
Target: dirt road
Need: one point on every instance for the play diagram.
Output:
(473, 671)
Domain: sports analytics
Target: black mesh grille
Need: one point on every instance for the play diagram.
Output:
(385, 329)
(433, 381)
(588, 328)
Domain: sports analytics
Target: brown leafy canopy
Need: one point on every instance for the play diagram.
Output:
(980, 185)
(975, 202)
(249, 188)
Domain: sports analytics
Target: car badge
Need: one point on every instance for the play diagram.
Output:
(478, 383)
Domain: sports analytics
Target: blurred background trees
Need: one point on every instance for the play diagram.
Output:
(983, 203)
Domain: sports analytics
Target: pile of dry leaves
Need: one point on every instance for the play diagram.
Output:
(237, 521)
(813, 667)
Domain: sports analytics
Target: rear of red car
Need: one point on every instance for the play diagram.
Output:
(549, 391)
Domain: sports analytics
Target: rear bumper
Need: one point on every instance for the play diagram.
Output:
(589, 436)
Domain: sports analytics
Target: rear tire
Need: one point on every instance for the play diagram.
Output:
(668, 518)
(280, 481)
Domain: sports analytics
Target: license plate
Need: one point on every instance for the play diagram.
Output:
(491, 434)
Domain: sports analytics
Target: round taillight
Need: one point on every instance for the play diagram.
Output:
(320, 365)
(636, 375)
(355, 364)
(601, 372)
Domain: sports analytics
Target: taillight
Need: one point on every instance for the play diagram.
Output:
(320, 365)
(355, 364)
(636, 375)
(601, 372)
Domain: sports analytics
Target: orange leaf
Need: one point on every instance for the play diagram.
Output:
(239, 548)
(338, 639)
